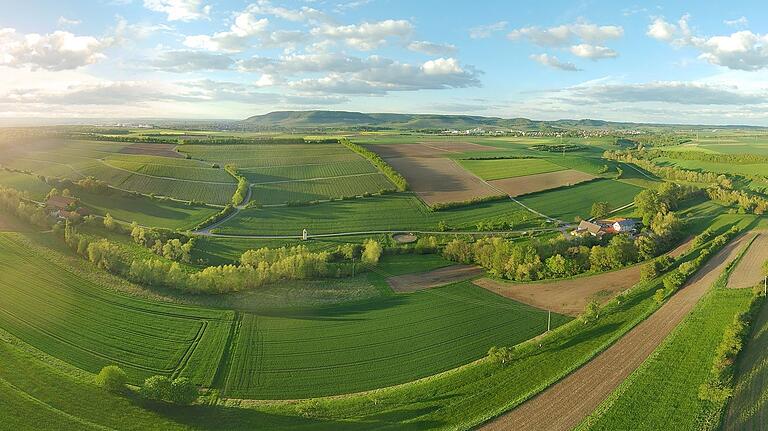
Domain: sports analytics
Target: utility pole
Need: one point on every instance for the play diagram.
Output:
(549, 319)
(765, 285)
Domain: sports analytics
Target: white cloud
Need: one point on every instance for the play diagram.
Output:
(431, 48)
(304, 13)
(189, 61)
(593, 52)
(59, 50)
(179, 10)
(738, 22)
(368, 35)
(442, 66)
(266, 80)
(660, 29)
(487, 30)
(554, 62)
(742, 50)
(564, 34)
(382, 75)
(66, 22)
(675, 92)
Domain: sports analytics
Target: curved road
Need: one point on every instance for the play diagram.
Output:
(568, 402)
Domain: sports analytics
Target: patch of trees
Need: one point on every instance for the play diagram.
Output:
(558, 148)
(734, 159)
(242, 185)
(440, 206)
(397, 179)
(558, 257)
(15, 202)
(745, 202)
(179, 391)
(668, 172)
(163, 242)
(652, 203)
(112, 378)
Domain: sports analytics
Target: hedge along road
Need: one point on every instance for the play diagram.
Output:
(565, 404)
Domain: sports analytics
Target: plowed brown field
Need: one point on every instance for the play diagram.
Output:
(518, 186)
(438, 277)
(749, 271)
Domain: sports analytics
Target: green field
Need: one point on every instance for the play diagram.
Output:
(305, 172)
(747, 409)
(508, 168)
(269, 155)
(720, 168)
(663, 392)
(36, 189)
(390, 212)
(319, 189)
(75, 320)
(391, 341)
(576, 201)
(157, 167)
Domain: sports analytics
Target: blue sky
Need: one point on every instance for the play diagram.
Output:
(656, 62)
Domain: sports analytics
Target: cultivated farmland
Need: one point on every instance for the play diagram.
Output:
(363, 347)
(509, 168)
(75, 320)
(570, 202)
(749, 271)
(523, 185)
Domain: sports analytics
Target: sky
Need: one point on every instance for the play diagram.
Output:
(668, 61)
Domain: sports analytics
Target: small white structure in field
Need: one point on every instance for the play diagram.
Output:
(304, 235)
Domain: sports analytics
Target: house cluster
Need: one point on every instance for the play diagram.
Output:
(65, 208)
(610, 226)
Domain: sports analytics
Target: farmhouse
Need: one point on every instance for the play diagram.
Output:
(65, 207)
(601, 227)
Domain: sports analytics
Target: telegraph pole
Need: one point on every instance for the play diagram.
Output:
(549, 319)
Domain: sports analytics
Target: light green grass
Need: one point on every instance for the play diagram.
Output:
(508, 168)
(36, 189)
(720, 168)
(320, 189)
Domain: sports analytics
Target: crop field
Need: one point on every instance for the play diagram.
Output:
(508, 168)
(518, 186)
(71, 318)
(309, 171)
(391, 212)
(147, 212)
(721, 168)
(576, 201)
(267, 155)
(374, 345)
(663, 392)
(157, 167)
(281, 192)
(749, 271)
(747, 409)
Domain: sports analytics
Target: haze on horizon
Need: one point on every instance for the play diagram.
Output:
(203, 59)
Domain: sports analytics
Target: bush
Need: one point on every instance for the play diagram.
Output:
(112, 378)
(183, 391)
(161, 388)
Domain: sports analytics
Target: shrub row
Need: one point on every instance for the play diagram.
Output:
(390, 172)
(242, 185)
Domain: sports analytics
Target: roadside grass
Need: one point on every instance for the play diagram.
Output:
(663, 392)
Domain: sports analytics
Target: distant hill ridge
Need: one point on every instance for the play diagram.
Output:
(347, 119)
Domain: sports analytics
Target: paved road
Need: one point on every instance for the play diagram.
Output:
(565, 404)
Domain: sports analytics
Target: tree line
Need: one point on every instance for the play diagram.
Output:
(397, 179)
(242, 185)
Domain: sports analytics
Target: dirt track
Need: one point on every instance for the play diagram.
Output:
(565, 404)
(439, 277)
(572, 295)
(749, 271)
(518, 186)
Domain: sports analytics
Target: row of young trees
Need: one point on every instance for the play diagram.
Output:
(667, 172)
(397, 179)
(242, 185)
(745, 201)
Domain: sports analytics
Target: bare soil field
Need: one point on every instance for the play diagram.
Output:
(572, 295)
(163, 150)
(440, 180)
(749, 271)
(564, 405)
(439, 277)
(518, 186)
(458, 147)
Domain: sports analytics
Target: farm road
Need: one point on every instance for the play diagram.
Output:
(566, 403)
